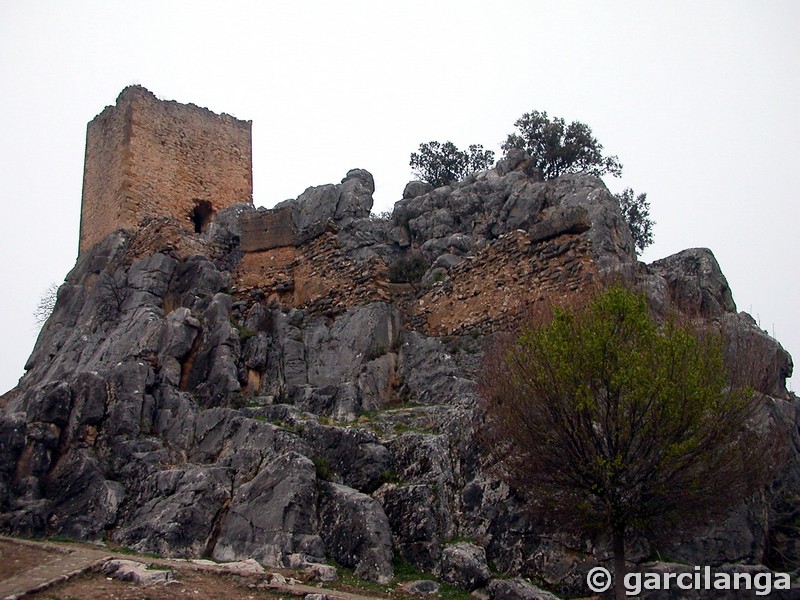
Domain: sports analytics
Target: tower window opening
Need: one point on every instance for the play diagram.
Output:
(201, 216)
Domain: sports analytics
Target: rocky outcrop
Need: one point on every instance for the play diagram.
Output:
(464, 565)
(273, 515)
(356, 532)
(264, 391)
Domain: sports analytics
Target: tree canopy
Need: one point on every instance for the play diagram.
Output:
(608, 422)
(636, 212)
(443, 163)
(558, 148)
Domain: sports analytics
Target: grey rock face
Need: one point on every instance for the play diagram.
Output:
(273, 516)
(417, 521)
(416, 188)
(559, 220)
(318, 207)
(356, 532)
(177, 509)
(495, 202)
(362, 334)
(464, 565)
(696, 283)
(355, 455)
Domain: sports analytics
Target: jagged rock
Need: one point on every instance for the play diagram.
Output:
(377, 381)
(85, 503)
(430, 374)
(175, 511)
(517, 589)
(356, 532)
(318, 207)
(416, 188)
(560, 220)
(175, 405)
(362, 334)
(355, 455)
(355, 195)
(417, 521)
(758, 358)
(695, 283)
(246, 567)
(447, 261)
(464, 565)
(273, 516)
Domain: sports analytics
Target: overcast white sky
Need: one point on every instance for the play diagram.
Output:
(699, 99)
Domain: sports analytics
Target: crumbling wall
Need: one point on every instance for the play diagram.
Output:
(489, 291)
(268, 229)
(148, 158)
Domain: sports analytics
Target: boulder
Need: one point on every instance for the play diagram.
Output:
(136, 572)
(517, 589)
(356, 532)
(464, 565)
(417, 521)
(695, 282)
(420, 587)
(175, 511)
(273, 516)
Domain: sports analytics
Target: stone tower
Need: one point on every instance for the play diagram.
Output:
(148, 158)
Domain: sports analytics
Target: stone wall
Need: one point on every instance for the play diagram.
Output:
(267, 229)
(147, 158)
(489, 291)
(103, 208)
(316, 276)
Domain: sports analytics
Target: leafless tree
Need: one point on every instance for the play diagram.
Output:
(47, 303)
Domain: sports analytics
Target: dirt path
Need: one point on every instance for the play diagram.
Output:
(70, 571)
(32, 566)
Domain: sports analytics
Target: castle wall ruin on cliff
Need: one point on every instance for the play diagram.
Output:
(151, 158)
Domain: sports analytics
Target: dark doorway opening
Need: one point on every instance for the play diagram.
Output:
(202, 214)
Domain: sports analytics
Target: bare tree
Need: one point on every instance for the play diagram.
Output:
(608, 422)
(46, 304)
(114, 291)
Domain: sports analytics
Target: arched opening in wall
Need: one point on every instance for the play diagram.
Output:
(202, 215)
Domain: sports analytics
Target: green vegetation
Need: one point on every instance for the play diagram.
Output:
(557, 148)
(409, 268)
(404, 571)
(609, 422)
(245, 333)
(323, 468)
(443, 163)
(636, 212)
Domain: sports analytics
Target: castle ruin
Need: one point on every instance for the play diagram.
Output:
(149, 158)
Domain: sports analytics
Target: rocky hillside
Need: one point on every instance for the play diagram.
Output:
(295, 405)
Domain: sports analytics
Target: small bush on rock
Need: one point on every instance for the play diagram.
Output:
(409, 268)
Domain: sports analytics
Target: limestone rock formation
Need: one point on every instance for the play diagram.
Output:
(262, 390)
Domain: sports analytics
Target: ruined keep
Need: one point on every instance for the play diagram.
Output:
(151, 158)
(265, 389)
